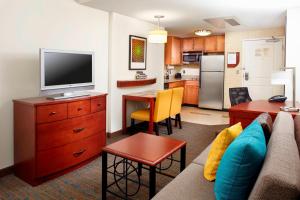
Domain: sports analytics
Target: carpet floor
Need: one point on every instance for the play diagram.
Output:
(85, 183)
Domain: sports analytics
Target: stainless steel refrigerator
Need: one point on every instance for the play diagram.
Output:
(211, 82)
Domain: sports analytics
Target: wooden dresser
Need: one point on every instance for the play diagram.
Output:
(53, 137)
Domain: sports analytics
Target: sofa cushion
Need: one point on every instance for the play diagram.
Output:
(189, 184)
(297, 131)
(241, 164)
(280, 175)
(266, 123)
(219, 146)
(201, 159)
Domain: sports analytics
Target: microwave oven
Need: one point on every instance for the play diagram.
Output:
(191, 57)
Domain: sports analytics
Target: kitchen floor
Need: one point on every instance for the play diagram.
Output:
(203, 116)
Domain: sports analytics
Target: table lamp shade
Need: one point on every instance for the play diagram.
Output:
(281, 78)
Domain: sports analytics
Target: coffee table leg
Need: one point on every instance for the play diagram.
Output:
(152, 180)
(182, 158)
(140, 168)
(104, 175)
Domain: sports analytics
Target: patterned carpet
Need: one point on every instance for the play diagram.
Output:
(85, 183)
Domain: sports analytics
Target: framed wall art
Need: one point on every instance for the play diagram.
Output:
(137, 52)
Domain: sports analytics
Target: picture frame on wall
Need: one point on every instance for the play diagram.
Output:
(137, 53)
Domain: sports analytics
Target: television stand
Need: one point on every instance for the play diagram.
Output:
(68, 95)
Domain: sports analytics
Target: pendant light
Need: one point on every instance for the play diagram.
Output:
(158, 35)
(203, 32)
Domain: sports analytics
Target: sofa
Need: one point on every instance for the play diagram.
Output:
(279, 177)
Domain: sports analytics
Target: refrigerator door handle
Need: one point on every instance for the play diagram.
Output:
(200, 80)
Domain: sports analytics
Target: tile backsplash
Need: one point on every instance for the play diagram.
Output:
(184, 70)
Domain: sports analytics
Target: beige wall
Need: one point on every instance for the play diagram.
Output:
(120, 28)
(29, 25)
(233, 43)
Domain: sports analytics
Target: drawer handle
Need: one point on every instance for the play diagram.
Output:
(79, 153)
(79, 109)
(78, 130)
(99, 104)
(52, 113)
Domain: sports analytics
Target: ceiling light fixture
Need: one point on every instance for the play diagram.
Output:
(158, 36)
(203, 32)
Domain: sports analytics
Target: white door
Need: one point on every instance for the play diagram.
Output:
(261, 58)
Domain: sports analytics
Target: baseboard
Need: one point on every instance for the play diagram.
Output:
(6, 171)
(120, 132)
(190, 105)
(116, 133)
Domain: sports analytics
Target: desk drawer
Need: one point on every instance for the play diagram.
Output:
(98, 104)
(51, 113)
(67, 131)
(60, 158)
(79, 108)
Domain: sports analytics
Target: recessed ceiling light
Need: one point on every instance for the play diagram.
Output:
(203, 32)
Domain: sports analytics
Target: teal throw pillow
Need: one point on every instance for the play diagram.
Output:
(241, 164)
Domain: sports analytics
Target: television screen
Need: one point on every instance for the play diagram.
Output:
(65, 69)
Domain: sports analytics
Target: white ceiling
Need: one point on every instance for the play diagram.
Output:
(182, 17)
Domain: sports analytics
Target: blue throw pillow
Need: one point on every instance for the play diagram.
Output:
(241, 164)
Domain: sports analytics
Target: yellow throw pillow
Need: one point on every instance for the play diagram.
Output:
(218, 148)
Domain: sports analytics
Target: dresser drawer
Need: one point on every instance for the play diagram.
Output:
(51, 113)
(67, 131)
(79, 108)
(60, 158)
(98, 104)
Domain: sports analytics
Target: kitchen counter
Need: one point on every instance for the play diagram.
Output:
(190, 85)
(171, 80)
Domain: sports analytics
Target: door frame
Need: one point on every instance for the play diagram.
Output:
(283, 38)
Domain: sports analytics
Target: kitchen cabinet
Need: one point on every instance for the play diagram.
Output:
(176, 84)
(220, 43)
(191, 92)
(198, 44)
(209, 44)
(214, 44)
(173, 51)
(188, 44)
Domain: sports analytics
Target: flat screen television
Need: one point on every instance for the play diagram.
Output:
(66, 69)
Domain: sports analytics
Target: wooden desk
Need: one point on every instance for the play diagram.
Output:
(147, 96)
(247, 112)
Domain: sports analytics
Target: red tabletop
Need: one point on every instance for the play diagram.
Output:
(145, 148)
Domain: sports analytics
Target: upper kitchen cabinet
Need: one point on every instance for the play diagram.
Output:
(209, 44)
(188, 44)
(193, 44)
(214, 43)
(173, 51)
(198, 44)
(220, 43)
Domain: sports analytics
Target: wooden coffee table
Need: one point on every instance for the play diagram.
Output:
(145, 149)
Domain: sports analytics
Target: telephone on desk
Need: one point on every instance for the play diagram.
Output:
(277, 98)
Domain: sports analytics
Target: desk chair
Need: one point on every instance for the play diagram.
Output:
(239, 95)
(161, 111)
(176, 105)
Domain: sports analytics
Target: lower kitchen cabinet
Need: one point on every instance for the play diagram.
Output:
(191, 90)
(191, 93)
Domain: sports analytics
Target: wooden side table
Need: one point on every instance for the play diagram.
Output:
(145, 149)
